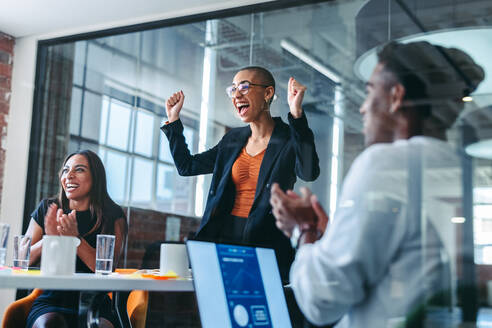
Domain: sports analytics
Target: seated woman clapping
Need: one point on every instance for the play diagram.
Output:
(82, 209)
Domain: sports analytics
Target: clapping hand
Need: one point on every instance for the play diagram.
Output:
(50, 219)
(295, 94)
(67, 224)
(291, 210)
(174, 105)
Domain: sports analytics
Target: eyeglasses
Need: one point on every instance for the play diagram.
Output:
(242, 87)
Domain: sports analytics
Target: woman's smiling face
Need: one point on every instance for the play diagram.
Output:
(76, 178)
(250, 105)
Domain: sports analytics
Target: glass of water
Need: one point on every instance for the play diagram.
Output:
(104, 254)
(4, 236)
(22, 250)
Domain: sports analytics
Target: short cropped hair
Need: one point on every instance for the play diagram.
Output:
(264, 75)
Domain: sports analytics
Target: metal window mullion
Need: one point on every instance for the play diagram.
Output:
(84, 87)
(131, 151)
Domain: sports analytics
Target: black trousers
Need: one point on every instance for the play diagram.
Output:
(232, 230)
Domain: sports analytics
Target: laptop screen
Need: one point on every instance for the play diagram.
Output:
(237, 286)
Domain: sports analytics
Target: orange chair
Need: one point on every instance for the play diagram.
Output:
(16, 313)
(136, 307)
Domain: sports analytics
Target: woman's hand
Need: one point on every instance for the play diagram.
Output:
(50, 220)
(295, 94)
(174, 105)
(67, 224)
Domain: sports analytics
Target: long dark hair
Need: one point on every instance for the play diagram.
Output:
(99, 199)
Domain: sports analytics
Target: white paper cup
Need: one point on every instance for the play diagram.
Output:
(59, 255)
(174, 258)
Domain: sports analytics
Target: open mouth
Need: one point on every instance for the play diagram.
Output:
(242, 108)
(71, 186)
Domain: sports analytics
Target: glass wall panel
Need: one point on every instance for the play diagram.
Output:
(91, 115)
(116, 171)
(143, 133)
(118, 131)
(108, 94)
(141, 181)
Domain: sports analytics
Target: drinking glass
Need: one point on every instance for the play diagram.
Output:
(104, 254)
(4, 236)
(22, 250)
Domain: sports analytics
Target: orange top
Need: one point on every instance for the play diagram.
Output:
(245, 176)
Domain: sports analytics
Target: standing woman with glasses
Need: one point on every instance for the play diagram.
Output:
(247, 161)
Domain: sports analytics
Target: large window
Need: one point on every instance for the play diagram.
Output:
(111, 114)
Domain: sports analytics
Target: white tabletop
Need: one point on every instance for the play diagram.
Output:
(90, 281)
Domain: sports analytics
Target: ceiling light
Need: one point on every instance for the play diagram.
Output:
(458, 219)
(481, 149)
(467, 99)
(310, 60)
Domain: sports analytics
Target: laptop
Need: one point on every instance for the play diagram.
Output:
(237, 286)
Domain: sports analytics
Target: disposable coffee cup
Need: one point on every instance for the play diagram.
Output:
(59, 255)
(174, 258)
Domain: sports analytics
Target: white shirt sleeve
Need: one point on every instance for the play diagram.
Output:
(331, 275)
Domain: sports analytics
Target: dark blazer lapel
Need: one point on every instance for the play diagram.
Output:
(234, 147)
(279, 138)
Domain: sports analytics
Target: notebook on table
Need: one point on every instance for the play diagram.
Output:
(237, 286)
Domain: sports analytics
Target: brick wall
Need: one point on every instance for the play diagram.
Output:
(147, 230)
(6, 62)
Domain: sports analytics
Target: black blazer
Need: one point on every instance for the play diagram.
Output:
(290, 152)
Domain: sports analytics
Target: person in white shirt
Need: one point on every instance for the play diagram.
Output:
(385, 254)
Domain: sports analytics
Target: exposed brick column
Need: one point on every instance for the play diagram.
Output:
(6, 63)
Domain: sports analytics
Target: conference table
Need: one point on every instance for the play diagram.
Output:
(92, 286)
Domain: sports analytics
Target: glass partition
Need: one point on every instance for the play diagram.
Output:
(108, 94)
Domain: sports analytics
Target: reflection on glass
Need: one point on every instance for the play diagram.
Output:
(123, 70)
(183, 195)
(482, 225)
(154, 45)
(115, 165)
(154, 63)
(91, 115)
(141, 181)
(165, 177)
(119, 125)
(75, 111)
(104, 120)
(164, 152)
(144, 133)
(79, 63)
(97, 67)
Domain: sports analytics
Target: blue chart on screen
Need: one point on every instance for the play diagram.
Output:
(245, 293)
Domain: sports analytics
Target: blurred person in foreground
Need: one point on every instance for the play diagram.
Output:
(385, 254)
